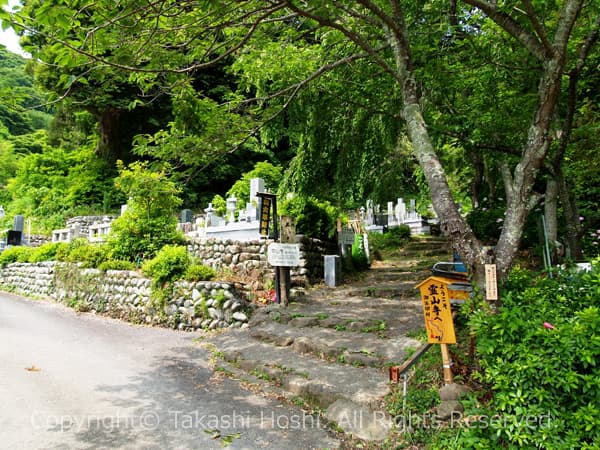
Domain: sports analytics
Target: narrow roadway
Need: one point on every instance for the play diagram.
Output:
(78, 381)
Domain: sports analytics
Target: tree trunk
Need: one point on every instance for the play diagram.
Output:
(452, 224)
(571, 215)
(109, 145)
(551, 216)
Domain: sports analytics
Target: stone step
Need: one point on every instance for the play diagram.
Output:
(398, 290)
(358, 348)
(425, 253)
(350, 396)
(348, 313)
(400, 277)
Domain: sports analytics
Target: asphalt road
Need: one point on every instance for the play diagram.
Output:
(78, 381)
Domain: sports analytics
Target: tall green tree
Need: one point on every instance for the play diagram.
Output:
(392, 35)
(149, 222)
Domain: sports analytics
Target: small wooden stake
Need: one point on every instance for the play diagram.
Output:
(446, 362)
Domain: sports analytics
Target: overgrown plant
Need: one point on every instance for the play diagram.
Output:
(169, 264)
(149, 222)
(540, 361)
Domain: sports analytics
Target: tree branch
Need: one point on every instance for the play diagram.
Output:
(584, 51)
(537, 26)
(265, 13)
(511, 26)
(352, 36)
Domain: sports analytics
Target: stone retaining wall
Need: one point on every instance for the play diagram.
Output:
(251, 257)
(129, 296)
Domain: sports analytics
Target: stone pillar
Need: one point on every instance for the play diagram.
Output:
(370, 213)
(251, 212)
(413, 208)
(401, 211)
(333, 270)
(18, 223)
(390, 212)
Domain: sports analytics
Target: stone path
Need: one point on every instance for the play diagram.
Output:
(332, 346)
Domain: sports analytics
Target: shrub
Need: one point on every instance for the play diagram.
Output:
(45, 252)
(390, 240)
(88, 254)
(486, 223)
(169, 264)
(149, 222)
(199, 272)
(540, 357)
(16, 254)
(241, 188)
(314, 218)
(116, 264)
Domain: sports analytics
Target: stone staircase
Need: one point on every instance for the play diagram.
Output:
(331, 348)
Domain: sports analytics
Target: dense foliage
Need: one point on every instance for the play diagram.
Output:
(540, 357)
(321, 91)
(149, 221)
(535, 379)
(389, 241)
(314, 218)
(169, 264)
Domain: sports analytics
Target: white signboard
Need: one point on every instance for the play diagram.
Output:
(283, 255)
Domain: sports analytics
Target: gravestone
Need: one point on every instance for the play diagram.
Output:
(256, 185)
(210, 215)
(390, 212)
(18, 223)
(186, 216)
(14, 237)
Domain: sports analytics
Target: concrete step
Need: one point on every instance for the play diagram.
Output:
(350, 396)
(395, 290)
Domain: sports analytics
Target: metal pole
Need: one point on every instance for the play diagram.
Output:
(548, 257)
(404, 392)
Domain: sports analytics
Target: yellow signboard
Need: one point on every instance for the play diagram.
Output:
(435, 296)
(265, 216)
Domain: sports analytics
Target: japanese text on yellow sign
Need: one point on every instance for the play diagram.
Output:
(437, 311)
(265, 215)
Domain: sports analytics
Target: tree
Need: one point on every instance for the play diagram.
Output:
(149, 222)
(22, 109)
(383, 32)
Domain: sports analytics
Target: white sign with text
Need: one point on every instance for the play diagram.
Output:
(283, 255)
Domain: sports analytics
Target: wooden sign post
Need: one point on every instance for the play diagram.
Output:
(285, 255)
(438, 318)
(491, 283)
(267, 201)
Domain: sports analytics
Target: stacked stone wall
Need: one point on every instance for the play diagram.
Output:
(250, 258)
(129, 296)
